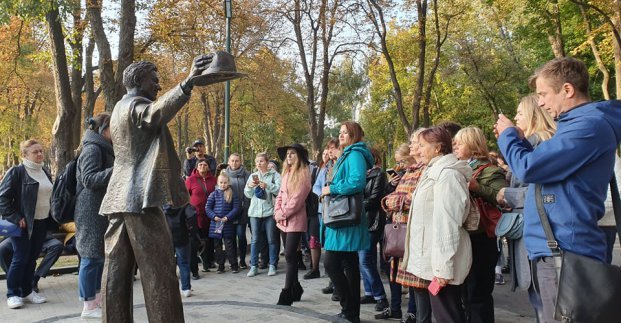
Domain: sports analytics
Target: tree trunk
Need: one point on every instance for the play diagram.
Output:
(77, 81)
(62, 135)
(127, 31)
(555, 35)
(112, 91)
(89, 84)
(421, 9)
(598, 58)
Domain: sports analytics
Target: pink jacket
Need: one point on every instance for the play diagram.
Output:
(290, 206)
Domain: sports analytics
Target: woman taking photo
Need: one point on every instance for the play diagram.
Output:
(348, 177)
(437, 247)
(25, 201)
(537, 126)
(93, 173)
(261, 188)
(290, 214)
(471, 147)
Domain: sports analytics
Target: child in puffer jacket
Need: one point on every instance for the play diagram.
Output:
(223, 208)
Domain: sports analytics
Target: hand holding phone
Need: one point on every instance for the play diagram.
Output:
(255, 178)
(434, 288)
(391, 172)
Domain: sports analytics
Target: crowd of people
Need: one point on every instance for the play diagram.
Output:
(447, 192)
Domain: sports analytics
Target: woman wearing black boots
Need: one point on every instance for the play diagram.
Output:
(290, 215)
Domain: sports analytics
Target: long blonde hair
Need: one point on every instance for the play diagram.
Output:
(298, 173)
(539, 122)
(228, 193)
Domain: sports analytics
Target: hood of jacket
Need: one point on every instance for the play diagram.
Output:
(93, 138)
(363, 149)
(448, 161)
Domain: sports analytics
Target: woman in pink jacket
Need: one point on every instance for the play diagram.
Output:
(290, 214)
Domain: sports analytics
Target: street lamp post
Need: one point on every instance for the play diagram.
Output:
(228, 11)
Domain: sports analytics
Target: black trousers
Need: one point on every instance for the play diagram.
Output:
(446, 306)
(230, 253)
(195, 246)
(344, 272)
(207, 253)
(479, 284)
(291, 240)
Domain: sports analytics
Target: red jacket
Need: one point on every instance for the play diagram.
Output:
(199, 194)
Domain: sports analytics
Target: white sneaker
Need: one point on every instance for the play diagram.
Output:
(252, 272)
(15, 302)
(271, 271)
(91, 314)
(186, 293)
(36, 298)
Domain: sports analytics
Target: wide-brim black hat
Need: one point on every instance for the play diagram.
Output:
(222, 68)
(301, 150)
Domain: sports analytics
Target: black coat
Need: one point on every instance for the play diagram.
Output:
(18, 196)
(182, 223)
(374, 191)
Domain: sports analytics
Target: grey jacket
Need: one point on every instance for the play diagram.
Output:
(147, 171)
(93, 174)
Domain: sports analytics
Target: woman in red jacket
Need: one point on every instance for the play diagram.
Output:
(200, 184)
(290, 214)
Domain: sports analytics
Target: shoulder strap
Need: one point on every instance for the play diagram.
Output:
(480, 169)
(551, 241)
(202, 185)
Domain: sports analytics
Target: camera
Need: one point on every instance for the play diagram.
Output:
(189, 150)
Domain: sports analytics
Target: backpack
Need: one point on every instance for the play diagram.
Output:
(62, 202)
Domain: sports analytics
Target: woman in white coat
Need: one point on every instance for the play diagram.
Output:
(437, 247)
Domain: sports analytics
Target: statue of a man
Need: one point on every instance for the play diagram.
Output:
(146, 175)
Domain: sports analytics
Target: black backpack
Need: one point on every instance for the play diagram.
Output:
(62, 202)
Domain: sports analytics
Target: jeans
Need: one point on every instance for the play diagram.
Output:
(242, 242)
(26, 251)
(546, 284)
(368, 268)
(89, 277)
(183, 255)
(344, 272)
(395, 291)
(259, 226)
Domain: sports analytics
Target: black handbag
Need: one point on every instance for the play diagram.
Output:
(588, 290)
(342, 210)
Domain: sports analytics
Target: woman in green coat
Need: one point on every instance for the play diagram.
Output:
(470, 145)
(342, 244)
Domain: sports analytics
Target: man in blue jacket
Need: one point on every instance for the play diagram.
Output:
(574, 168)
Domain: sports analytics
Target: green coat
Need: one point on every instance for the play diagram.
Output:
(490, 180)
(350, 178)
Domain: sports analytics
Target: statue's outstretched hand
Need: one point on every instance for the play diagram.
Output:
(199, 64)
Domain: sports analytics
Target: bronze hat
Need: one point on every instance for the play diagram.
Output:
(222, 68)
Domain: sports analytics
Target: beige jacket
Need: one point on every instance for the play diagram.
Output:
(436, 243)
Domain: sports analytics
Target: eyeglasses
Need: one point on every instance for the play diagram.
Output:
(400, 162)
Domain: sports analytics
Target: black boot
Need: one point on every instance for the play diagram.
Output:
(297, 291)
(285, 297)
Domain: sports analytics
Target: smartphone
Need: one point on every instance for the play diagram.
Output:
(434, 288)
(391, 172)
(255, 178)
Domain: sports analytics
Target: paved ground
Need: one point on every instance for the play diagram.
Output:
(232, 297)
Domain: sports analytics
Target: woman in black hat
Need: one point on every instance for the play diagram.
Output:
(290, 214)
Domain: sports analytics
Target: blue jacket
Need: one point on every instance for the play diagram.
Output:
(350, 177)
(217, 207)
(574, 167)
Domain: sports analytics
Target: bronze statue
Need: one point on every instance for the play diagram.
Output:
(147, 175)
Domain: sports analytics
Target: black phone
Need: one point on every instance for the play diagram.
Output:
(392, 172)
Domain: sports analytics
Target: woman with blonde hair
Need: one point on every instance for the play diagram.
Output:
(471, 146)
(290, 214)
(537, 126)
